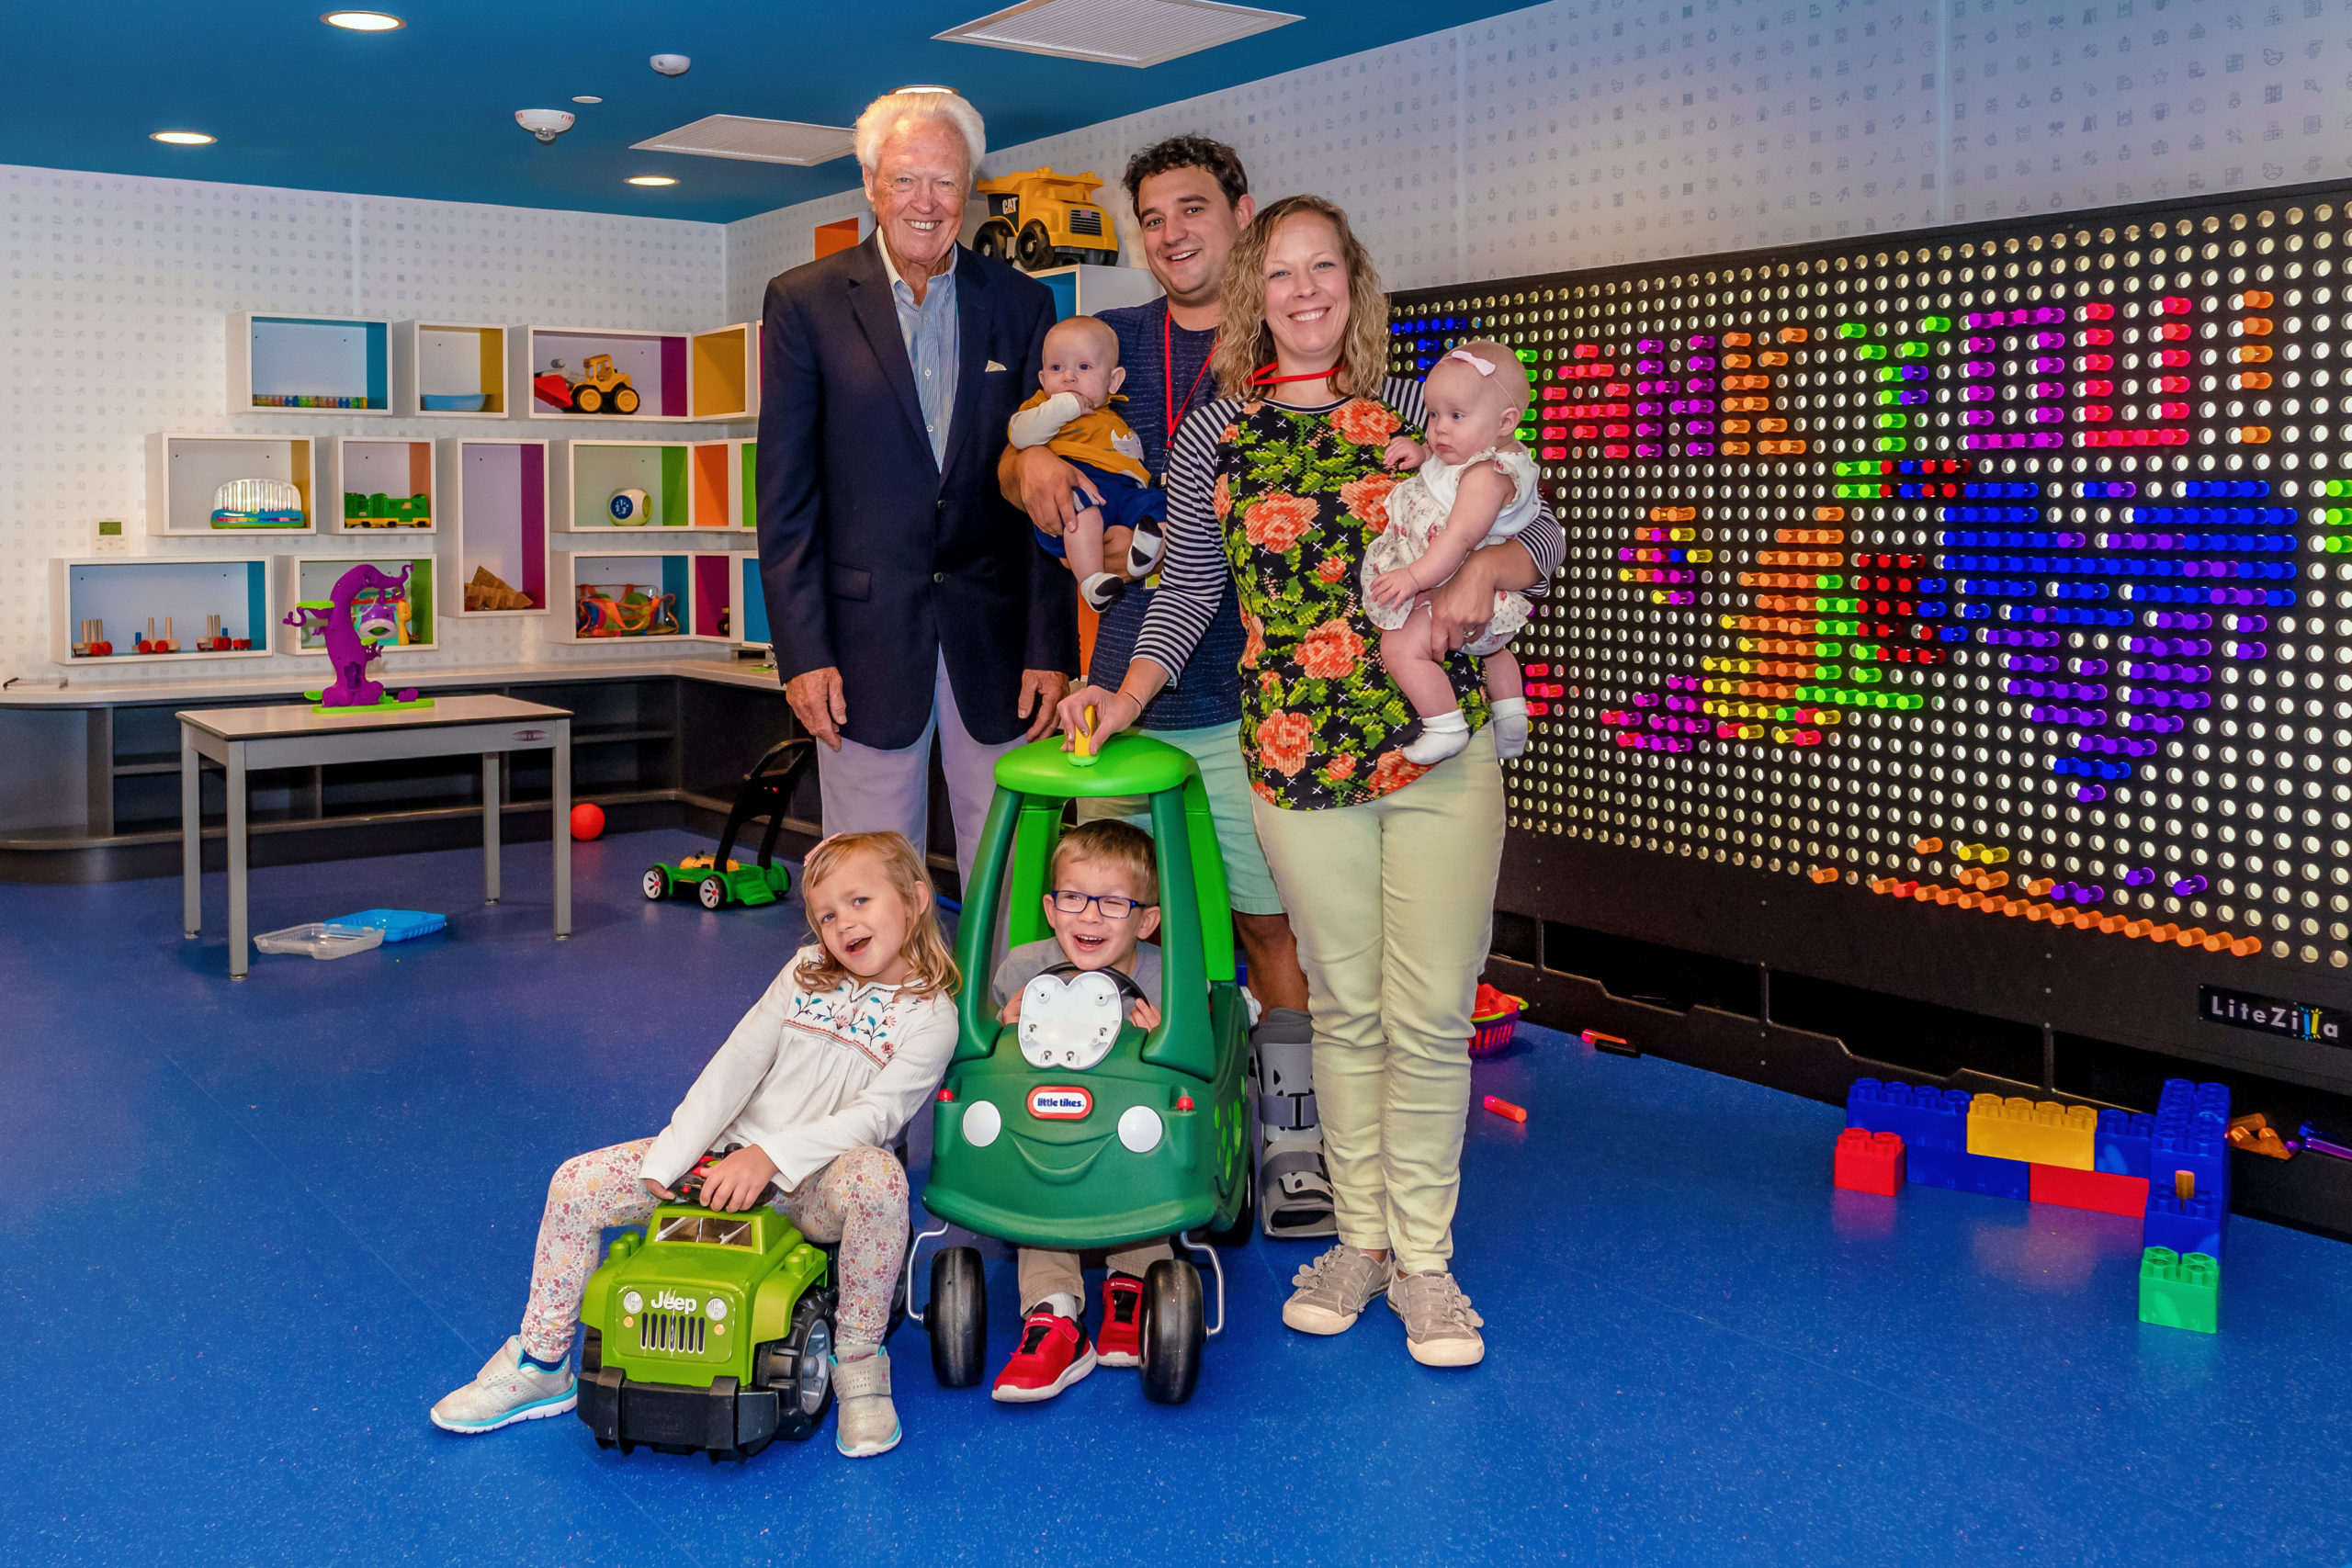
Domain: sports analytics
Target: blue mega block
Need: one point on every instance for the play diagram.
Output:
(2192, 1134)
(2194, 1225)
(398, 925)
(2122, 1141)
(1924, 1118)
(1965, 1172)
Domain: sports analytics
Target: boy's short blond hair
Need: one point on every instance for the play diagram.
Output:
(1109, 842)
(1106, 341)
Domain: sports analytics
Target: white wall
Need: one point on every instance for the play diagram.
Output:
(1587, 132)
(119, 292)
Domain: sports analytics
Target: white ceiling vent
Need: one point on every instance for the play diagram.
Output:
(1117, 32)
(759, 140)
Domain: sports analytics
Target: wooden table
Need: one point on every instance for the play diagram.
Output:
(300, 735)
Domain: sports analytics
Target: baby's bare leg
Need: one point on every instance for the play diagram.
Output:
(1507, 697)
(1501, 669)
(1405, 653)
(1082, 547)
(1114, 551)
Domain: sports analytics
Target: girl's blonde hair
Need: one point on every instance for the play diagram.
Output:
(933, 965)
(1248, 343)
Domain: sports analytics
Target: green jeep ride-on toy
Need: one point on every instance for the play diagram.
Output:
(717, 880)
(1056, 1131)
(707, 1331)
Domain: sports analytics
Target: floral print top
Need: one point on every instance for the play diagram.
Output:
(1286, 499)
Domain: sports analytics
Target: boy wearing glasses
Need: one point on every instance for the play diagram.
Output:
(1104, 899)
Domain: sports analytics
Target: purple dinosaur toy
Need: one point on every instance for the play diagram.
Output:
(346, 649)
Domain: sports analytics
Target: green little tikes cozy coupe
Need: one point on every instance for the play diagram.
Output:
(1065, 1132)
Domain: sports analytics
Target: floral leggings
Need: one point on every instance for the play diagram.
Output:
(859, 1200)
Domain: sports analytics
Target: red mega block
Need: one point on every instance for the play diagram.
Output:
(2101, 1192)
(1868, 1162)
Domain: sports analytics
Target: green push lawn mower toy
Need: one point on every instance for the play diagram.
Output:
(718, 880)
(1060, 1133)
(707, 1331)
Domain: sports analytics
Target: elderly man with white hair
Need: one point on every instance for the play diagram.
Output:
(906, 597)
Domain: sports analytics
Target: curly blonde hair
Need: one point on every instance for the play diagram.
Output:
(1248, 343)
(927, 953)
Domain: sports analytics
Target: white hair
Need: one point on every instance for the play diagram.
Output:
(887, 114)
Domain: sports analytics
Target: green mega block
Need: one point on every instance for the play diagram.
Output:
(2180, 1291)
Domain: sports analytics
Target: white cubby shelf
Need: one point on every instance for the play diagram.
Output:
(698, 588)
(184, 474)
(308, 364)
(380, 486)
(450, 370)
(590, 473)
(494, 493)
(181, 594)
(726, 492)
(311, 580)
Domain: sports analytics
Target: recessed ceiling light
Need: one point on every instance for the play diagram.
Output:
(182, 138)
(363, 21)
(651, 180)
(586, 98)
(925, 87)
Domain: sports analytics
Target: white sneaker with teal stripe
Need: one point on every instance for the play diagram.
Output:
(506, 1392)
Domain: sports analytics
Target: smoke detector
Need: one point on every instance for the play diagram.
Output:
(545, 124)
(670, 65)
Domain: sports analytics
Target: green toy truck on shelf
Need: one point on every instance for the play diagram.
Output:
(707, 1331)
(1046, 1139)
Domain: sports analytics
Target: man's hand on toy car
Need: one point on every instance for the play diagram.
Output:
(737, 1182)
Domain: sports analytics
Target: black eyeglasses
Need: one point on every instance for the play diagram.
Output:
(1070, 902)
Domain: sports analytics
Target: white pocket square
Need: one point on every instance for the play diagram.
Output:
(992, 367)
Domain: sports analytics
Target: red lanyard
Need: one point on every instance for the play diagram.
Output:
(1167, 374)
(1263, 379)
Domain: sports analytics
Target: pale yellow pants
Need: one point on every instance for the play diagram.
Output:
(1393, 902)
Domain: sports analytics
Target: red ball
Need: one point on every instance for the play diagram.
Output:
(587, 820)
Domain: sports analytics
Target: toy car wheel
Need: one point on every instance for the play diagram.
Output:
(657, 884)
(625, 400)
(1174, 1329)
(712, 891)
(996, 240)
(800, 1368)
(592, 1352)
(958, 1316)
(1035, 248)
(587, 398)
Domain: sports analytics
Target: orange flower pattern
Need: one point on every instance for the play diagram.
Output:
(1321, 724)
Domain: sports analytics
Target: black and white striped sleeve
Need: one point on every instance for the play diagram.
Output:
(1546, 541)
(1192, 567)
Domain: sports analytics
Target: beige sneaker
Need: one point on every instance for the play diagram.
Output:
(1440, 1329)
(505, 1391)
(1333, 1291)
(865, 1423)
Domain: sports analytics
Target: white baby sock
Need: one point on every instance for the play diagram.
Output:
(1442, 736)
(1510, 726)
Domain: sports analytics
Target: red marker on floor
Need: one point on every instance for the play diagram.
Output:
(1502, 1107)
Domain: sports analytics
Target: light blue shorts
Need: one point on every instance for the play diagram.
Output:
(1224, 774)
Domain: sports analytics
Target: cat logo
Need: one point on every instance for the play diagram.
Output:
(1053, 1104)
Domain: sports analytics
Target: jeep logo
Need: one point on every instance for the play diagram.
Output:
(664, 1301)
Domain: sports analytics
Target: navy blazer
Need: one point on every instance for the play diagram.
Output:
(874, 559)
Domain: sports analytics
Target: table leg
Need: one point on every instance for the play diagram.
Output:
(490, 827)
(562, 829)
(239, 958)
(191, 836)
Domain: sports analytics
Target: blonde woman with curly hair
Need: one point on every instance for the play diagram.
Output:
(1387, 867)
(797, 1109)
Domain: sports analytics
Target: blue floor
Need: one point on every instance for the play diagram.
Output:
(249, 1232)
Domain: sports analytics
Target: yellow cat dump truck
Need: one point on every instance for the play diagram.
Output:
(1039, 218)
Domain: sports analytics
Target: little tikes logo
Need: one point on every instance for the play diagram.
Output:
(665, 1301)
(1055, 1104)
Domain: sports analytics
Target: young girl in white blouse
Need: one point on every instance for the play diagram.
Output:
(800, 1106)
(1473, 485)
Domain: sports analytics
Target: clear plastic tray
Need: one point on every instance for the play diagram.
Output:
(321, 940)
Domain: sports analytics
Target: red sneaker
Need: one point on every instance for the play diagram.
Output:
(1121, 1344)
(1054, 1354)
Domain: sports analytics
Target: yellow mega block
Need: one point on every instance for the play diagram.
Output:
(2040, 1131)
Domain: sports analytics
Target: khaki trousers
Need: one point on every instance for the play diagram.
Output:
(1044, 1272)
(1393, 903)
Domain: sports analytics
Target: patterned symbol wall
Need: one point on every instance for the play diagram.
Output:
(1989, 570)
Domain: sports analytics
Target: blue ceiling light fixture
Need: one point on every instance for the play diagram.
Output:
(425, 109)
